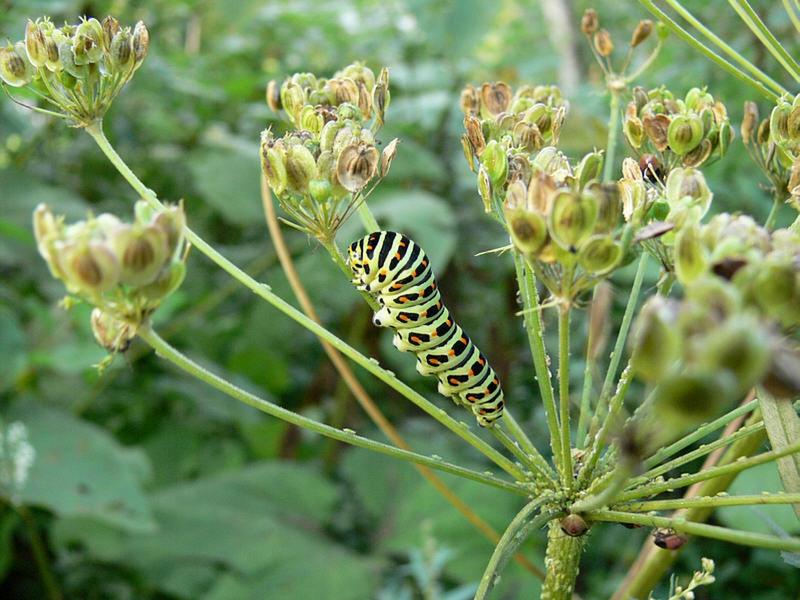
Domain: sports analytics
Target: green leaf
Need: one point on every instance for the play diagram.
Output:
(229, 182)
(783, 429)
(80, 470)
(762, 518)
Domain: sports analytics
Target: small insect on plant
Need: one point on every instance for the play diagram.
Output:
(704, 368)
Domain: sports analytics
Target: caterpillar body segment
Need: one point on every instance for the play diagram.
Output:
(396, 271)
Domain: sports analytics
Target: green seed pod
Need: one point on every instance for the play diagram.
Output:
(88, 267)
(293, 97)
(696, 99)
(496, 163)
(142, 253)
(589, 169)
(740, 346)
(167, 281)
(273, 162)
(15, 68)
(311, 120)
(381, 95)
(111, 334)
(656, 345)
(121, 51)
(715, 295)
(35, 44)
(599, 254)
(485, 189)
(87, 43)
(633, 129)
(320, 190)
(301, 168)
(360, 73)
(690, 255)
(688, 183)
(572, 219)
(356, 166)
(172, 221)
(684, 134)
(779, 121)
(693, 396)
(775, 287)
(528, 230)
(609, 206)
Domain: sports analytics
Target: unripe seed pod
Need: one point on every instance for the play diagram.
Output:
(293, 97)
(87, 43)
(496, 163)
(273, 163)
(301, 168)
(142, 253)
(590, 21)
(15, 68)
(121, 51)
(572, 219)
(528, 230)
(693, 396)
(485, 189)
(172, 221)
(684, 134)
(633, 128)
(779, 121)
(35, 44)
(599, 254)
(167, 281)
(656, 342)
(589, 169)
(310, 120)
(688, 183)
(89, 267)
(603, 43)
(357, 164)
(690, 255)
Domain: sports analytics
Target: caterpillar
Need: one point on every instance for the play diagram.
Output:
(397, 273)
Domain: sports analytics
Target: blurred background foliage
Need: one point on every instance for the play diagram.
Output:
(147, 484)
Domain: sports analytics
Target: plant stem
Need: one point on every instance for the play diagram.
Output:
(533, 326)
(562, 562)
(616, 353)
(39, 553)
(686, 480)
(720, 43)
(516, 450)
(567, 476)
(613, 134)
(699, 434)
(590, 363)
(515, 534)
(771, 43)
(519, 434)
(792, 14)
(358, 391)
(769, 224)
(264, 292)
(708, 502)
(699, 46)
(367, 218)
(166, 351)
(744, 538)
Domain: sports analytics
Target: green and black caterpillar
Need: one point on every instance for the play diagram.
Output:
(396, 271)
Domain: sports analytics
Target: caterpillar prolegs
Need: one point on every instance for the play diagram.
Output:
(396, 271)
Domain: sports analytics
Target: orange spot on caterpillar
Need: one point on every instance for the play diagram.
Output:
(471, 373)
(451, 352)
(403, 318)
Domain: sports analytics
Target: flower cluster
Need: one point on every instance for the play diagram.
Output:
(742, 286)
(770, 157)
(322, 169)
(124, 269)
(688, 132)
(565, 222)
(505, 130)
(80, 68)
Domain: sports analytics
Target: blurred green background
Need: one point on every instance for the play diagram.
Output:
(147, 484)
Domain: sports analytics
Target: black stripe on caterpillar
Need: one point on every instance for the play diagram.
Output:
(396, 271)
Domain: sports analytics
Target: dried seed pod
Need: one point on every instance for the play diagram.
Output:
(357, 164)
(749, 121)
(141, 42)
(603, 43)
(110, 29)
(656, 128)
(387, 156)
(495, 98)
(474, 132)
(590, 21)
(642, 32)
(274, 96)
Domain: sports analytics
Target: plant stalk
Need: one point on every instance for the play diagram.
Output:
(562, 563)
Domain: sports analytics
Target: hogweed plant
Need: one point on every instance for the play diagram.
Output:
(716, 354)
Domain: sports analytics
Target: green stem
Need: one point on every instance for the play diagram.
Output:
(367, 218)
(562, 562)
(527, 445)
(743, 538)
(709, 502)
(769, 224)
(515, 534)
(687, 480)
(169, 353)
(613, 134)
(619, 345)
(263, 291)
(792, 14)
(588, 370)
(721, 62)
(771, 43)
(567, 476)
(717, 41)
(39, 553)
(533, 326)
(699, 434)
(514, 448)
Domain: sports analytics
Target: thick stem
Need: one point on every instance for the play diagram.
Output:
(562, 563)
(263, 291)
(167, 352)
